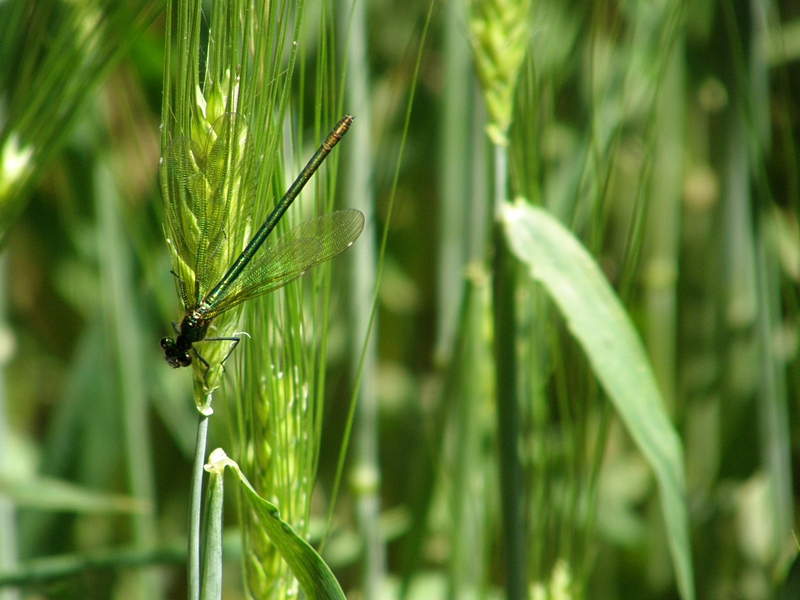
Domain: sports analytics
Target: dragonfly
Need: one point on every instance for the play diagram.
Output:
(209, 197)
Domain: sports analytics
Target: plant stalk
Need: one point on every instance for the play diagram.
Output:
(506, 390)
(195, 508)
(366, 474)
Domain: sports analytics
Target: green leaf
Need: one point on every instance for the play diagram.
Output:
(597, 319)
(47, 493)
(212, 538)
(315, 578)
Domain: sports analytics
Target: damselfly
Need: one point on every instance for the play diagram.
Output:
(209, 195)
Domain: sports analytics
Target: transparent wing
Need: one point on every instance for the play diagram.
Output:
(208, 201)
(229, 200)
(179, 172)
(308, 244)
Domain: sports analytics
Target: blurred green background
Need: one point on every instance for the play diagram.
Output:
(660, 132)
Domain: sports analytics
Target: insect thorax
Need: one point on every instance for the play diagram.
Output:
(194, 326)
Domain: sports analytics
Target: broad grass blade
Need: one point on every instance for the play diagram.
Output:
(315, 577)
(597, 319)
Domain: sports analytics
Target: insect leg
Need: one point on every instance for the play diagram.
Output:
(235, 343)
(205, 362)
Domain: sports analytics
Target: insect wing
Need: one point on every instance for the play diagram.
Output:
(308, 244)
(224, 216)
(180, 179)
(208, 203)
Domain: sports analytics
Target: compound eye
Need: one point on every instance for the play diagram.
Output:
(166, 343)
(185, 360)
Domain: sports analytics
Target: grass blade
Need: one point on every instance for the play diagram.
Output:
(315, 578)
(599, 322)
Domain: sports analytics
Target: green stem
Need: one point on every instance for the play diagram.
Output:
(454, 189)
(366, 474)
(8, 523)
(384, 237)
(506, 390)
(122, 321)
(194, 511)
